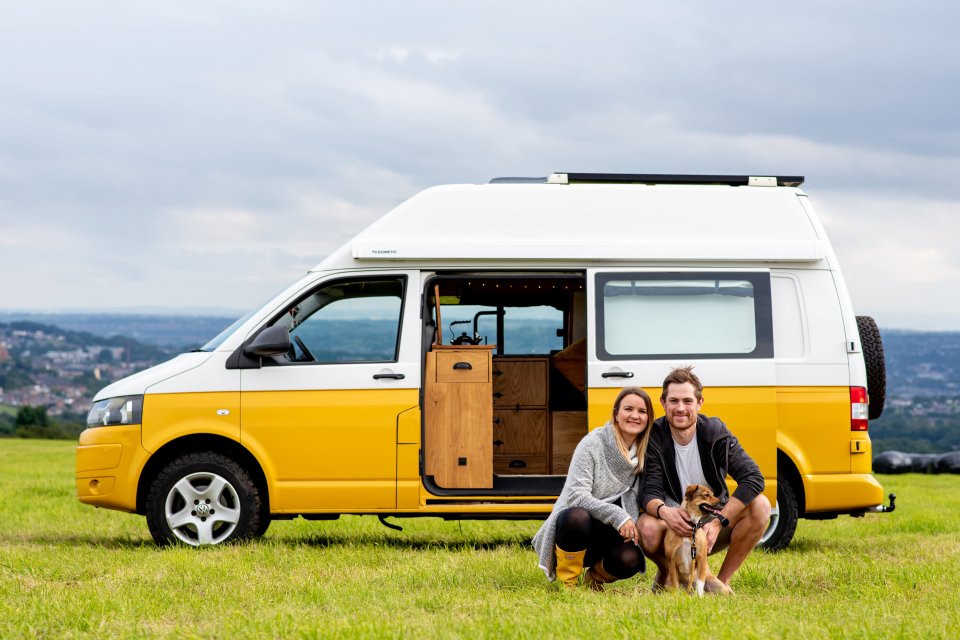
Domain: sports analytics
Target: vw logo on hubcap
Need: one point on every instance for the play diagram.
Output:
(203, 510)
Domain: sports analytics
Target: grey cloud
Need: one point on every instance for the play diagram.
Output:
(118, 121)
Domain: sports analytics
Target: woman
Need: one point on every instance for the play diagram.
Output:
(593, 523)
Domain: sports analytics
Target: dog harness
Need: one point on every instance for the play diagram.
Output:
(708, 515)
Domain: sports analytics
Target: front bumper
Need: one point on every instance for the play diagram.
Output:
(109, 460)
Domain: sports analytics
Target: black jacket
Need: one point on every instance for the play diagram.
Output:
(720, 455)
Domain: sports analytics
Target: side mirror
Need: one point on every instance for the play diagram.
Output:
(272, 341)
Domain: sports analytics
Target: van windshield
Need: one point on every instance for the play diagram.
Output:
(226, 333)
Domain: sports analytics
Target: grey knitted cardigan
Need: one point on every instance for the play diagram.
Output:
(597, 476)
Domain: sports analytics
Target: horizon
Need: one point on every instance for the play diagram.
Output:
(229, 315)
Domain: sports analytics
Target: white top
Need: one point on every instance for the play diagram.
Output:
(688, 464)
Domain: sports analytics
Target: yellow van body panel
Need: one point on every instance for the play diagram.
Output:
(834, 462)
(168, 416)
(841, 491)
(333, 450)
(408, 460)
(109, 462)
(816, 421)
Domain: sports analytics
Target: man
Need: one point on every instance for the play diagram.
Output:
(688, 448)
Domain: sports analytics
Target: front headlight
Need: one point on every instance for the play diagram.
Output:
(121, 410)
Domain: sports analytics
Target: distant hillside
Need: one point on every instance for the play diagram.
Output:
(921, 363)
(181, 333)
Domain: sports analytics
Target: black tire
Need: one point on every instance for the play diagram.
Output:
(226, 503)
(783, 520)
(872, 346)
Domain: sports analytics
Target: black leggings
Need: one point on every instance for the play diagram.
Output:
(578, 530)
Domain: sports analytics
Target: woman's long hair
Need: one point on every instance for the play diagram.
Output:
(644, 437)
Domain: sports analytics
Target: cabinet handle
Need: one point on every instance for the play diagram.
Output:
(463, 365)
(498, 443)
(518, 464)
(497, 421)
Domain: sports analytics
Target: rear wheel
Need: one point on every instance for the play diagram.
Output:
(203, 499)
(783, 518)
(872, 346)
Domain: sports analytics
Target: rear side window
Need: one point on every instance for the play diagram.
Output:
(694, 315)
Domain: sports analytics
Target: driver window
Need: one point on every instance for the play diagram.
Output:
(346, 321)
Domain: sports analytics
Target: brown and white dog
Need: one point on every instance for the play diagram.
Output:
(687, 556)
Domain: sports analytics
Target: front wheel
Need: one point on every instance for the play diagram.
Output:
(202, 499)
(783, 518)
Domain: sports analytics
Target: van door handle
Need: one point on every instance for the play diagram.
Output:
(617, 374)
(388, 376)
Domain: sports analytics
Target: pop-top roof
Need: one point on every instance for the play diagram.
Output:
(575, 221)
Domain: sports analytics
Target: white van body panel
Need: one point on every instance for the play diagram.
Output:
(857, 370)
(809, 341)
(140, 382)
(211, 376)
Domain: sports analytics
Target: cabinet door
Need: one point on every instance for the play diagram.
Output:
(520, 383)
(459, 420)
(523, 431)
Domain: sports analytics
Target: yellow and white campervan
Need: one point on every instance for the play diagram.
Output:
(436, 369)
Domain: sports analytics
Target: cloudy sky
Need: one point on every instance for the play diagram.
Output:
(185, 154)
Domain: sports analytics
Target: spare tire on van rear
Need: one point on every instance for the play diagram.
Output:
(872, 346)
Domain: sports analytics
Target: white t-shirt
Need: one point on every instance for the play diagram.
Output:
(688, 464)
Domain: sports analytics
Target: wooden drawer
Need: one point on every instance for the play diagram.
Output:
(520, 382)
(523, 431)
(520, 464)
(463, 366)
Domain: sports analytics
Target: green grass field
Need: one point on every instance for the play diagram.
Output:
(71, 571)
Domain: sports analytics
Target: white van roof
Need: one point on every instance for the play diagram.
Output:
(559, 221)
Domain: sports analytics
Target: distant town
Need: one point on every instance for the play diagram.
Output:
(44, 365)
(54, 364)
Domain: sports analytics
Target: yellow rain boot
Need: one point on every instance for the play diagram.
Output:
(596, 576)
(569, 566)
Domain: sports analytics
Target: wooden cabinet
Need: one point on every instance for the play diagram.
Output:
(484, 416)
(521, 419)
(458, 419)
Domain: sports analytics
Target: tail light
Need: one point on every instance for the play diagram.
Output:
(858, 409)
